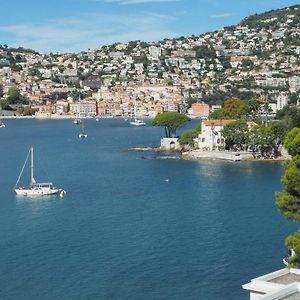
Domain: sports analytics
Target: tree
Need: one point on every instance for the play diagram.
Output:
(234, 108)
(4, 104)
(171, 121)
(288, 201)
(235, 135)
(290, 116)
(188, 136)
(14, 97)
(263, 141)
(26, 111)
(216, 114)
(292, 142)
(1, 91)
(254, 108)
(279, 131)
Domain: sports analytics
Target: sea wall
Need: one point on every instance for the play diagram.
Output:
(224, 155)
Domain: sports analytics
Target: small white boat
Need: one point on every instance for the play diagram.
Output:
(83, 134)
(138, 122)
(77, 121)
(2, 125)
(35, 189)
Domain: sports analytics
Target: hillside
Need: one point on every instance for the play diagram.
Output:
(257, 58)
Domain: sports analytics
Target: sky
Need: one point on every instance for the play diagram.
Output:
(78, 25)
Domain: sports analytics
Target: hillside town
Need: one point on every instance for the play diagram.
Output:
(256, 59)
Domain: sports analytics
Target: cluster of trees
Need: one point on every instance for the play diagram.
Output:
(26, 111)
(219, 97)
(263, 140)
(288, 201)
(205, 52)
(235, 108)
(14, 98)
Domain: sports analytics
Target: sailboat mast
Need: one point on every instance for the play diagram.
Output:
(31, 168)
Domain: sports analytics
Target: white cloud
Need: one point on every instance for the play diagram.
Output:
(223, 15)
(90, 31)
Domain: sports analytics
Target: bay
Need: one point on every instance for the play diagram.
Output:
(132, 225)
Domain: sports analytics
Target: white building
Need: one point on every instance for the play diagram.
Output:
(84, 108)
(294, 83)
(272, 82)
(155, 52)
(210, 137)
(279, 285)
(282, 101)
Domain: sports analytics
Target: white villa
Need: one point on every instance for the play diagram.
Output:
(210, 137)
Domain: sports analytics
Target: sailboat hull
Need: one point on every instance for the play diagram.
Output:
(137, 122)
(38, 191)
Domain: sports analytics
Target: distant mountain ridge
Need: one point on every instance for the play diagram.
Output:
(264, 19)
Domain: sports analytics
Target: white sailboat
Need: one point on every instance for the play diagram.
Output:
(136, 121)
(77, 120)
(2, 125)
(83, 134)
(35, 189)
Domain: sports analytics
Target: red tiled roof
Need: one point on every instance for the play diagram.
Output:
(218, 122)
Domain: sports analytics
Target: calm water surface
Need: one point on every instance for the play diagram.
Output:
(123, 231)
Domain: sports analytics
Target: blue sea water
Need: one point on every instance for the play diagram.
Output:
(125, 232)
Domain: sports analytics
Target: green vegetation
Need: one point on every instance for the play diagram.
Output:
(171, 121)
(205, 52)
(233, 109)
(1, 91)
(288, 201)
(187, 138)
(15, 97)
(289, 116)
(257, 20)
(263, 140)
(236, 135)
(26, 111)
